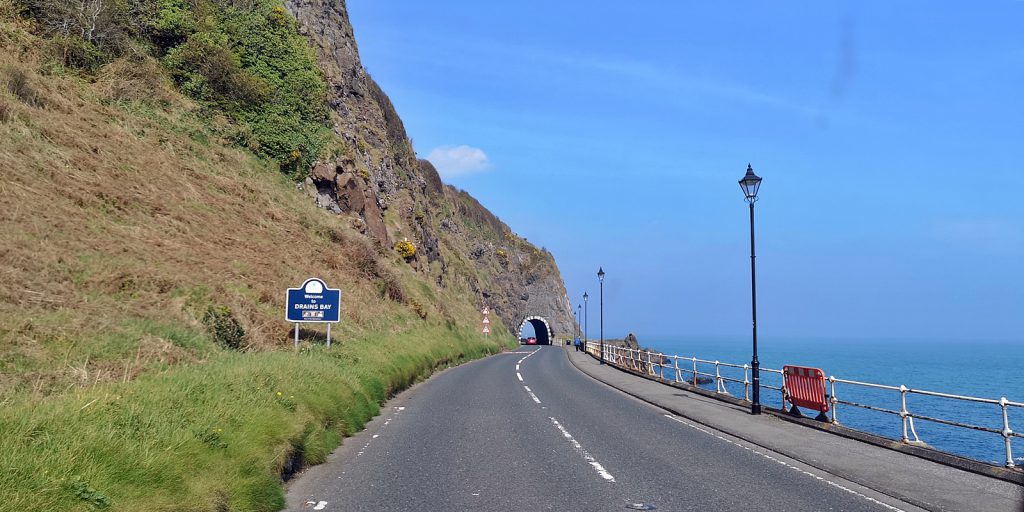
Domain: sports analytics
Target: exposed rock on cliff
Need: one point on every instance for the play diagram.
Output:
(392, 196)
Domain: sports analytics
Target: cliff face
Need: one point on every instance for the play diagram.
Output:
(390, 195)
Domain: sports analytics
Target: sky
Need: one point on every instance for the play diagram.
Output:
(888, 134)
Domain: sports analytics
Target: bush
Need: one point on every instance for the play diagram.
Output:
(419, 309)
(7, 111)
(406, 249)
(223, 327)
(252, 64)
(208, 71)
(137, 78)
(389, 287)
(19, 83)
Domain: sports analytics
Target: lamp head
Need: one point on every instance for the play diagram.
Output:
(750, 184)
(600, 274)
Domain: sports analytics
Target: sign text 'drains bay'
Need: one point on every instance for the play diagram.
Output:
(314, 302)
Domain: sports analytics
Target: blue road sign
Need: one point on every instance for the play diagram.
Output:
(313, 302)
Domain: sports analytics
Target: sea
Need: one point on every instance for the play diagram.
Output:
(983, 369)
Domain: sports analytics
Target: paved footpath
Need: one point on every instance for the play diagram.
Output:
(911, 479)
(528, 430)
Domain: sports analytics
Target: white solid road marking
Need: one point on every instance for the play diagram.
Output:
(519, 376)
(583, 453)
(790, 466)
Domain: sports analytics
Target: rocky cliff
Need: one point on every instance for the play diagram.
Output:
(391, 196)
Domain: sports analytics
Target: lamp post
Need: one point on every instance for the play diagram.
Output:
(585, 338)
(750, 184)
(600, 277)
(579, 317)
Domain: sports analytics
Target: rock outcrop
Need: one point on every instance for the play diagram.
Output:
(390, 195)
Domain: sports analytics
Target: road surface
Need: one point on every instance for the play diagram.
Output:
(527, 431)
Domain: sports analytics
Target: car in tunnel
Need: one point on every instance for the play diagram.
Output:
(531, 341)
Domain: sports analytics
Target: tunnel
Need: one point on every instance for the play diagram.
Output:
(540, 326)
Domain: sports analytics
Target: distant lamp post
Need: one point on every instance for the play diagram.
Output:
(579, 328)
(585, 338)
(750, 184)
(600, 277)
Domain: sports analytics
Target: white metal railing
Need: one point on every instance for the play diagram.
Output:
(658, 365)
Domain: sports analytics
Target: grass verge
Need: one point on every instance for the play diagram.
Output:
(211, 437)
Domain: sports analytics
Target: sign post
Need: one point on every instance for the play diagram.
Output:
(313, 302)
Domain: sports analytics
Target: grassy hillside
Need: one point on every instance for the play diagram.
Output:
(144, 360)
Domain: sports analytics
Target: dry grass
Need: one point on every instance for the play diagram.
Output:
(114, 213)
(137, 78)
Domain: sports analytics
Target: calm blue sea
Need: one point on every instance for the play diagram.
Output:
(980, 369)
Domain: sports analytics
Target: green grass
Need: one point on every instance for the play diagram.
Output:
(214, 436)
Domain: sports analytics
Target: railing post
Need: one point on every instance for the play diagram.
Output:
(679, 373)
(1007, 433)
(694, 370)
(903, 412)
(746, 383)
(718, 379)
(835, 403)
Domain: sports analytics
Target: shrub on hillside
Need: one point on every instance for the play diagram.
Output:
(135, 78)
(205, 69)
(389, 287)
(406, 249)
(19, 82)
(223, 327)
(243, 59)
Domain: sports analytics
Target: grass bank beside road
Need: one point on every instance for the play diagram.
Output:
(215, 436)
(145, 363)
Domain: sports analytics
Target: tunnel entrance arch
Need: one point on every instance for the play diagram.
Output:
(540, 326)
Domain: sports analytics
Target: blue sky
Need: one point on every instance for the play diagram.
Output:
(889, 136)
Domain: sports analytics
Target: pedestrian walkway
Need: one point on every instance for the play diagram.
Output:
(924, 483)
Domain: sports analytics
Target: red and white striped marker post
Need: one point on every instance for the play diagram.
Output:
(487, 321)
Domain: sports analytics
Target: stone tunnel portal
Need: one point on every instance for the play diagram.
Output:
(540, 326)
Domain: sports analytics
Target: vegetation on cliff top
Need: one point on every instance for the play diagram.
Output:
(243, 60)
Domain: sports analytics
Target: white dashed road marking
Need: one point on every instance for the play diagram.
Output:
(520, 376)
(583, 453)
(565, 433)
(784, 463)
(533, 396)
(397, 411)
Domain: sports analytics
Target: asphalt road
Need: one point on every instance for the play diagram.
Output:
(527, 431)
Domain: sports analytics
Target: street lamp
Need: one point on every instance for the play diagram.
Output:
(585, 322)
(600, 277)
(750, 184)
(579, 316)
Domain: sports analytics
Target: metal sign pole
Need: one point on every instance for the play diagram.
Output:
(328, 335)
(296, 335)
